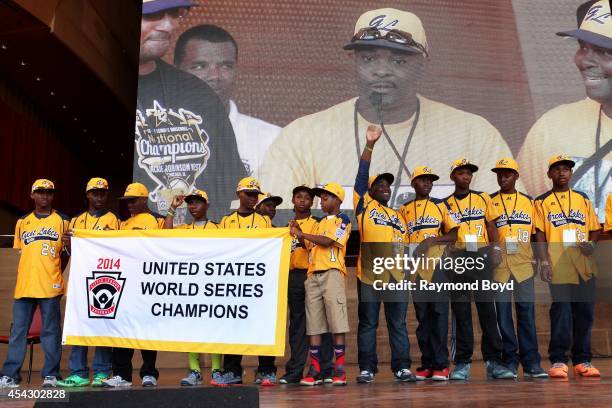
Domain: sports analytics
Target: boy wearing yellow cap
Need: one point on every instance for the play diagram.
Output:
(325, 285)
(266, 205)
(96, 217)
(136, 196)
(378, 223)
(430, 225)
(245, 217)
(197, 204)
(38, 237)
(477, 240)
(515, 227)
(567, 231)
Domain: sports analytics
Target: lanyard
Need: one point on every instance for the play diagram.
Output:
(506, 211)
(469, 208)
(95, 225)
(598, 164)
(252, 219)
(402, 157)
(569, 200)
(204, 225)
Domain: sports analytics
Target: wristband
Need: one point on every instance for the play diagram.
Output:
(170, 213)
(369, 148)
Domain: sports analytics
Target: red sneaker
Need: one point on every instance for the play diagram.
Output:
(440, 375)
(423, 373)
(312, 378)
(339, 378)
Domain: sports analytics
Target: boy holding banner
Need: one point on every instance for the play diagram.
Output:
(248, 191)
(96, 217)
(325, 285)
(38, 236)
(197, 204)
(136, 195)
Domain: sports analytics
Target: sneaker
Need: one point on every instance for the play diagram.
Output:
(116, 382)
(534, 372)
(328, 379)
(461, 372)
(423, 373)
(586, 370)
(440, 375)
(268, 380)
(74, 381)
(497, 371)
(215, 377)
(339, 377)
(8, 382)
(289, 379)
(558, 370)
(312, 378)
(227, 379)
(98, 378)
(193, 378)
(405, 375)
(149, 381)
(50, 381)
(365, 377)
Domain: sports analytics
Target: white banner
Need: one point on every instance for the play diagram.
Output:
(212, 291)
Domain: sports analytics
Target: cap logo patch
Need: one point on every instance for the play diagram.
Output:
(379, 23)
(503, 162)
(594, 15)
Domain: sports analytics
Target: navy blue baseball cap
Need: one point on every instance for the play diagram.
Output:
(154, 6)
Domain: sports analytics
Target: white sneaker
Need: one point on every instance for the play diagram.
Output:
(116, 382)
(8, 382)
(149, 381)
(50, 381)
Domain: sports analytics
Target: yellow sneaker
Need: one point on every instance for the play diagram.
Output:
(586, 370)
(558, 370)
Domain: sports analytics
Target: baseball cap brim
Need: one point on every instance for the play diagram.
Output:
(434, 177)
(128, 197)
(470, 166)
(189, 197)
(303, 188)
(318, 191)
(496, 169)
(277, 200)
(382, 43)
(383, 176)
(155, 6)
(588, 37)
(43, 189)
(570, 163)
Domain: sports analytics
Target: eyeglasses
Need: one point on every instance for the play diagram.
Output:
(395, 36)
(179, 12)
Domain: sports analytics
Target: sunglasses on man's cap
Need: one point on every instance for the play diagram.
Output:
(394, 36)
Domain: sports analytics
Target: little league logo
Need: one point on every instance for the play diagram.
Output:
(104, 291)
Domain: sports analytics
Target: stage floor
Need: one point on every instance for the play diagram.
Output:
(385, 392)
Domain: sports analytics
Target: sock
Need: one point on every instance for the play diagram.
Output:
(339, 352)
(194, 361)
(314, 358)
(215, 362)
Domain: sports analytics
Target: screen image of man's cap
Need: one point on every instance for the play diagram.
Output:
(390, 55)
(582, 129)
(183, 138)
(211, 53)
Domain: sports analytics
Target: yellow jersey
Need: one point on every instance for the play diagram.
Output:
(299, 254)
(143, 221)
(608, 223)
(194, 225)
(237, 221)
(102, 220)
(471, 211)
(515, 226)
(568, 216)
(39, 240)
(427, 218)
(338, 228)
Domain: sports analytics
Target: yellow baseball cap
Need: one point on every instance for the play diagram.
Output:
(267, 196)
(463, 162)
(561, 158)
(135, 190)
(96, 183)
(380, 28)
(249, 184)
(332, 188)
(506, 163)
(197, 193)
(424, 171)
(43, 184)
(596, 26)
(382, 176)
